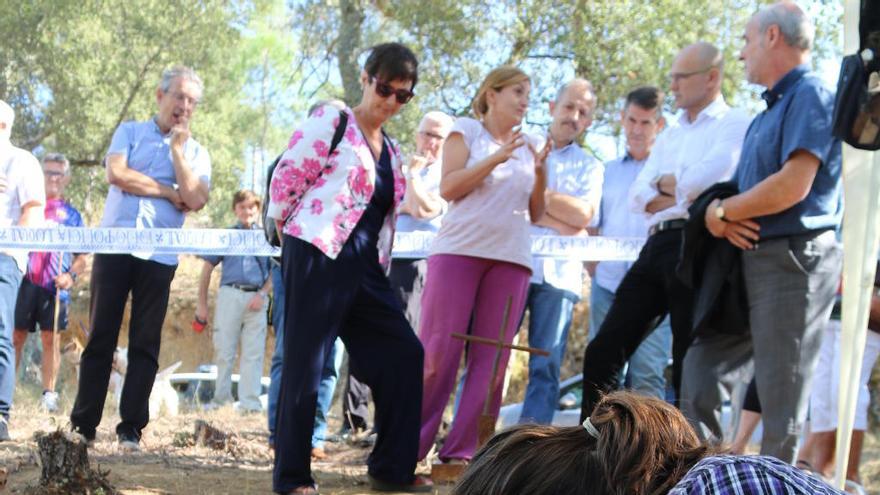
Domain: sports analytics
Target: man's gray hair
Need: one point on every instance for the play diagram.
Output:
(57, 158)
(7, 116)
(796, 28)
(442, 119)
(172, 73)
(579, 83)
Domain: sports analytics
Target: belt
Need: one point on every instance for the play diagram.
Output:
(245, 288)
(676, 224)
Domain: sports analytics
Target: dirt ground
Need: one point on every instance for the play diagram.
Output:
(168, 465)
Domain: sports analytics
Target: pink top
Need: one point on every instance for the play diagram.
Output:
(492, 221)
(323, 198)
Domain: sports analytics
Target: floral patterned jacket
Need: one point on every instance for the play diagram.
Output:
(323, 198)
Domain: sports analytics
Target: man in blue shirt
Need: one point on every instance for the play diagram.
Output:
(240, 313)
(641, 121)
(157, 173)
(574, 189)
(784, 220)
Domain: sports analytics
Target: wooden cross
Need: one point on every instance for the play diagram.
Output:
(486, 427)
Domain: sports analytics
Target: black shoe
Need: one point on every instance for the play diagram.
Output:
(88, 436)
(4, 430)
(420, 484)
(128, 442)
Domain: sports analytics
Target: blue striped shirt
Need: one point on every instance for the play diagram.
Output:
(749, 475)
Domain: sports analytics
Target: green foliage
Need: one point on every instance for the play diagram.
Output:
(74, 70)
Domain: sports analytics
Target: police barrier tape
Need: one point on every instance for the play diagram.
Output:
(232, 242)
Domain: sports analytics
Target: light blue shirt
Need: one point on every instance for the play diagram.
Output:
(430, 177)
(615, 218)
(570, 171)
(242, 270)
(148, 151)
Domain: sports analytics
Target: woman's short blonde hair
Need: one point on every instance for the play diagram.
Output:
(496, 80)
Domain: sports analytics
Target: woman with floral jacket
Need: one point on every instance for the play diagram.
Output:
(336, 212)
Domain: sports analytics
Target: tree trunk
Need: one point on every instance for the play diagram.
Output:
(348, 48)
(65, 466)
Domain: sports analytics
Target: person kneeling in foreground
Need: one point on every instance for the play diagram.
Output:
(631, 444)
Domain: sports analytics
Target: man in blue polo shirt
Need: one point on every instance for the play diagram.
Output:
(784, 220)
(574, 189)
(157, 173)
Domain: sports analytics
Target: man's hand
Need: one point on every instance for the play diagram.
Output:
(64, 281)
(742, 233)
(714, 225)
(179, 135)
(173, 195)
(256, 302)
(201, 311)
(417, 162)
(660, 203)
(666, 184)
(3, 184)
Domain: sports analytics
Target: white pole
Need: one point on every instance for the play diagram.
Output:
(860, 240)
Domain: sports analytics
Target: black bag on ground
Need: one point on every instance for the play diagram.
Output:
(273, 237)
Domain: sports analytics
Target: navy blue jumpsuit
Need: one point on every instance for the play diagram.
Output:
(349, 297)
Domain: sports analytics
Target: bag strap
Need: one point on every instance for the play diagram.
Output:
(338, 133)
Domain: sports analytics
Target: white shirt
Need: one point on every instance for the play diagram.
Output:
(491, 221)
(24, 184)
(570, 171)
(698, 153)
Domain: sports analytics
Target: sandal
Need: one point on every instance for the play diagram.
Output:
(854, 488)
(305, 490)
(420, 484)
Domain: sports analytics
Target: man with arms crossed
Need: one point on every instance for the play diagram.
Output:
(157, 172)
(641, 120)
(784, 220)
(574, 188)
(688, 158)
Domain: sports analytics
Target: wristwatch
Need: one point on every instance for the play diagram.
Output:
(719, 211)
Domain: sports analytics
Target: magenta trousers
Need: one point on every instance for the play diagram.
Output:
(455, 287)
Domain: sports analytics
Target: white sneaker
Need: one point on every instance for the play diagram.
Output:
(49, 401)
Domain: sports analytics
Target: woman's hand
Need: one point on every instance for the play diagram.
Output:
(541, 158)
(505, 152)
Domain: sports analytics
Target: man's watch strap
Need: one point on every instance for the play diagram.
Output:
(719, 211)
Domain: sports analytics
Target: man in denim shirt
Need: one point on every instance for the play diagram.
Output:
(574, 189)
(240, 312)
(157, 173)
(784, 220)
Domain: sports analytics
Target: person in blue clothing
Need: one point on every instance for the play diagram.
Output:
(157, 174)
(240, 313)
(784, 221)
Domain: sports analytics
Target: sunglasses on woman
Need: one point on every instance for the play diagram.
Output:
(385, 90)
